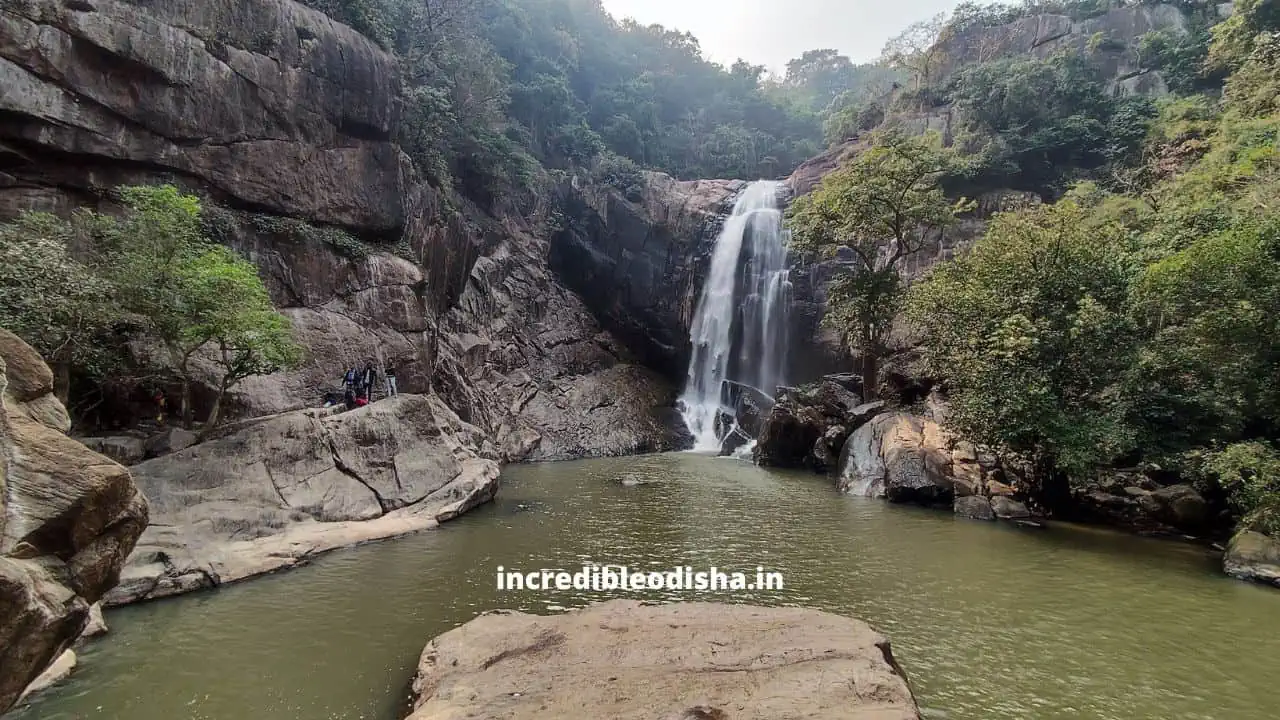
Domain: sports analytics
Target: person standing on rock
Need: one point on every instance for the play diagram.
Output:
(389, 372)
(349, 380)
(369, 378)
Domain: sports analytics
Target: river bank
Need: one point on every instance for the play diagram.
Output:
(990, 622)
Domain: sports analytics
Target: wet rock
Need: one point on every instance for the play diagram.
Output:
(630, 661)
(281, 490)
(639, 262)
(809, 425)
(1009, 509)
(58, 671)
(97, 624)
(68, 519)
(169, 440)
(788, 436)
(974, 508)
(1253, 557)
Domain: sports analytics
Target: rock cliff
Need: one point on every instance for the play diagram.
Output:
(285, 121)
(685, 661)
(68, 519)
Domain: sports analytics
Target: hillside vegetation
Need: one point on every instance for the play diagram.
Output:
(496, 90)
(1134, 319)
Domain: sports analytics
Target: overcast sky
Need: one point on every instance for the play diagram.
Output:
(771, 32)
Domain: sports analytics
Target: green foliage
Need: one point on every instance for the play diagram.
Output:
(1031, 332)
(1210, 365)
(881, 207)
(188, 294)
(847, 122)
(1250, 472)
(1048, 122)
(341, 241)
(1144, 323)
(620, 173)
(59, 305)
(1180, 58)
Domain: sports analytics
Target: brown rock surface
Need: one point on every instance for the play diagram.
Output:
(628, 661)
(68, 519)
(279, 490)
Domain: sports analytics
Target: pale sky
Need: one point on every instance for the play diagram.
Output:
(771, 32)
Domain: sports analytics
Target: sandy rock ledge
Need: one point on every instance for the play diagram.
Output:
(687, 661)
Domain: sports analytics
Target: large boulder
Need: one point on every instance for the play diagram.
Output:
(809, 424)
(282, 489)
(68, 519)
(901, 457)
(1254, 557)
(630, 661)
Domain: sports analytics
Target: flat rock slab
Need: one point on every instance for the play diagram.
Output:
(627, 660)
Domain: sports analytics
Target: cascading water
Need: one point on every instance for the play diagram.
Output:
(739, 330)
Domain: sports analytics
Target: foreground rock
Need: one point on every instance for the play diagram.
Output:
(278, 491)
(1254, 557)
(688, 661)
(68, 519)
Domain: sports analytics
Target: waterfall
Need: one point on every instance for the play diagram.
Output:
(739, 332)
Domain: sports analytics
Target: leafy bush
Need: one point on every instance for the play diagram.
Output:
(1250, 473)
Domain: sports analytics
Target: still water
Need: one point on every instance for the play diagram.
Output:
(990, 622)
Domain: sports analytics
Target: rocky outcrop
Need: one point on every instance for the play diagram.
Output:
(1131, 498)
(1110, 40)
(626, 660)
(285, 488)
(1254, 557)
(68, 519)
(911, 459)
(639, 262)
(809, 424)
(263, 102)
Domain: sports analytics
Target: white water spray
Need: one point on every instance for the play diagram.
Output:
(740, 328)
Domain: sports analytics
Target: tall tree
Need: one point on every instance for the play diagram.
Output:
(916, 49)
(882, 207)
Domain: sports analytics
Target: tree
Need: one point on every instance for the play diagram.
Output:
(227, 307)
(189, 294)
(916, 50)
(882, 207)
(1030, 332)
(54, 302)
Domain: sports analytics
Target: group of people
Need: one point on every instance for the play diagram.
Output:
(358, 385)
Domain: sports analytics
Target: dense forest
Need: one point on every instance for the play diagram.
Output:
(1130, 320)
(495, 90)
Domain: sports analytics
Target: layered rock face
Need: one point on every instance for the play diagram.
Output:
(68, 519)
(686, 661)
(272, 494)
(640, 262)
(263, 102)
(288, 120)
